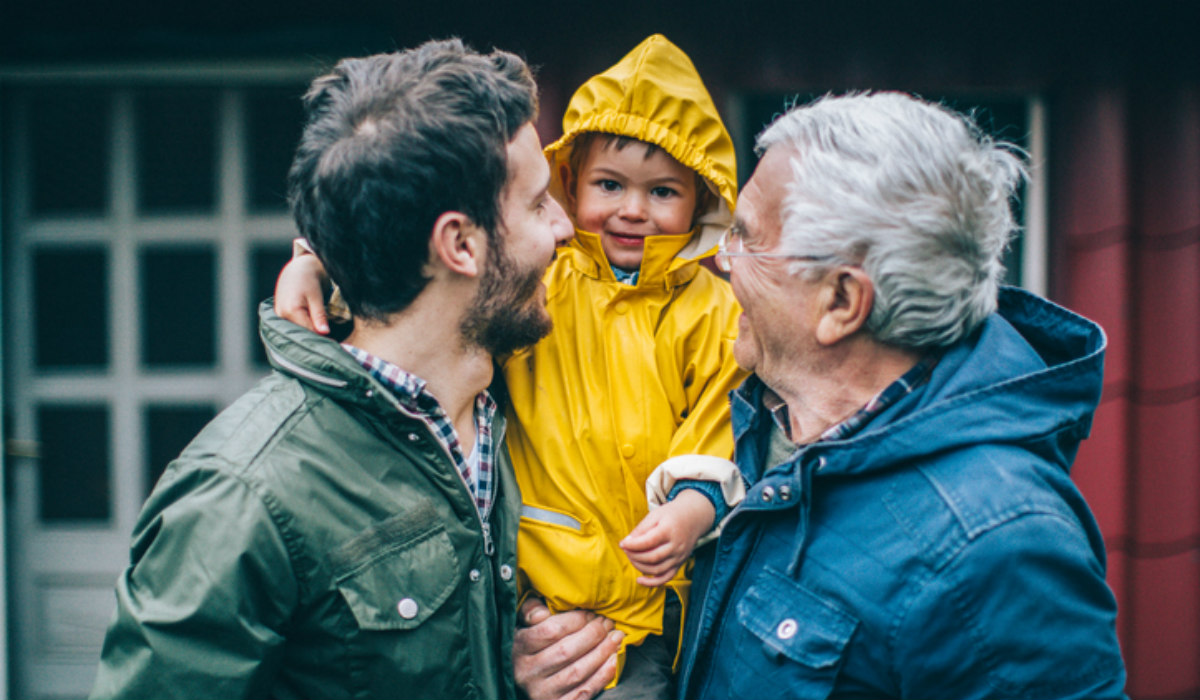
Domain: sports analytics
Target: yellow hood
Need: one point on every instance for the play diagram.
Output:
(654, 94)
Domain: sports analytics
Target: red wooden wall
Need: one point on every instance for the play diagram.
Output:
(1125, 199)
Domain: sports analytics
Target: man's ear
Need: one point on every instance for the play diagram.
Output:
(458, 244)
(847, 298)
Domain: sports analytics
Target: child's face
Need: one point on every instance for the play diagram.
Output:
(625, 196)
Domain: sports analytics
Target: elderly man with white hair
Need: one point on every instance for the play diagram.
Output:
(910, 530)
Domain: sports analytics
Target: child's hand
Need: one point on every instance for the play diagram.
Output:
(299, 296)
(666, 537)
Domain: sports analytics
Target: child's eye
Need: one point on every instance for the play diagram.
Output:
(609, 185)
(663, 191)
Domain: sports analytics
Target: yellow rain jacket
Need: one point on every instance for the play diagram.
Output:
(631, 375)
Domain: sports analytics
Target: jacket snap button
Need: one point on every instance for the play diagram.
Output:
(622, 307)
(785, 493)
(407, 608)
(413, 437)
(475, 575)
(370, 393)
(627, 450)
(768, 493)
(505, 572)
(786, 629)
(821, 463)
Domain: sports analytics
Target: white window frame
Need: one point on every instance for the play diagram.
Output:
(123, 386)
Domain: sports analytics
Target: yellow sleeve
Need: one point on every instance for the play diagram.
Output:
(703, 348)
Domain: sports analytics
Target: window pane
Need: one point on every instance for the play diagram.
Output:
(275, 119)
(71, 307)
(266, 262)
(69, 137)
(75, 462)
(179, 303)
(169, 429)
(176, 150)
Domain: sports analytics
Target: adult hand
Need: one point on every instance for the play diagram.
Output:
(568, 655)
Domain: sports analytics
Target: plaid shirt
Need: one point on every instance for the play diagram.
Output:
(629, 278)
(409, 390)
(905, 385)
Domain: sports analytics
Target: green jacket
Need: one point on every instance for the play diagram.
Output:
(315, 541)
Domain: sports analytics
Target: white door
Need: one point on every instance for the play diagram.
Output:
(144, 219)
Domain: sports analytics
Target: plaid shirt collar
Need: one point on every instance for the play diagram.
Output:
(905, 385)
(409, 390)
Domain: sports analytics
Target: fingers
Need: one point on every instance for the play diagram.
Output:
(316, 311)
(533, 611)
(289, 304)
(579, 664)
(658, 568)
(299, 297)
(296, 314)
(659, 579)
(593, 685)
(644, 538)
(645, 525)
(657, 556)
(588, 674)
(568, 632)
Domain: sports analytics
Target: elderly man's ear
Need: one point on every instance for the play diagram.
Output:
(846, 299)
(457, 244)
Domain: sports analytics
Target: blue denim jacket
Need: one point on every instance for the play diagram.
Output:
(940, 552)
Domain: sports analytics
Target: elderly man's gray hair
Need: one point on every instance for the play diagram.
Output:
(915, 193)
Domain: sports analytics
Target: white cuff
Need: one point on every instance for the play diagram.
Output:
(701, 468)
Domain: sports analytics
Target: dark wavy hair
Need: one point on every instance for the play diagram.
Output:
(392, 142)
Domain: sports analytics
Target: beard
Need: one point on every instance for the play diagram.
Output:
(508, 312)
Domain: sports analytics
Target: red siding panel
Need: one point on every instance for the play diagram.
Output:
(1100, 471)
(1127, 206)
(1166, 634)
(1166, 471)
(1168, 307)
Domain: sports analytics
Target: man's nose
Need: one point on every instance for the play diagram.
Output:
(560, 223)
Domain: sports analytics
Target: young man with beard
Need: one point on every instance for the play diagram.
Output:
(348, 527)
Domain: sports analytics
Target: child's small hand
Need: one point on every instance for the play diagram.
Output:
(666, 537)
(299, 296)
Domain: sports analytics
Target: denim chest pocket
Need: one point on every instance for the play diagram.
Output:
(398, 573)
(793, 641)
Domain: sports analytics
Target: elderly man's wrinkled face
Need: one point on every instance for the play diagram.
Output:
(776, 328)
